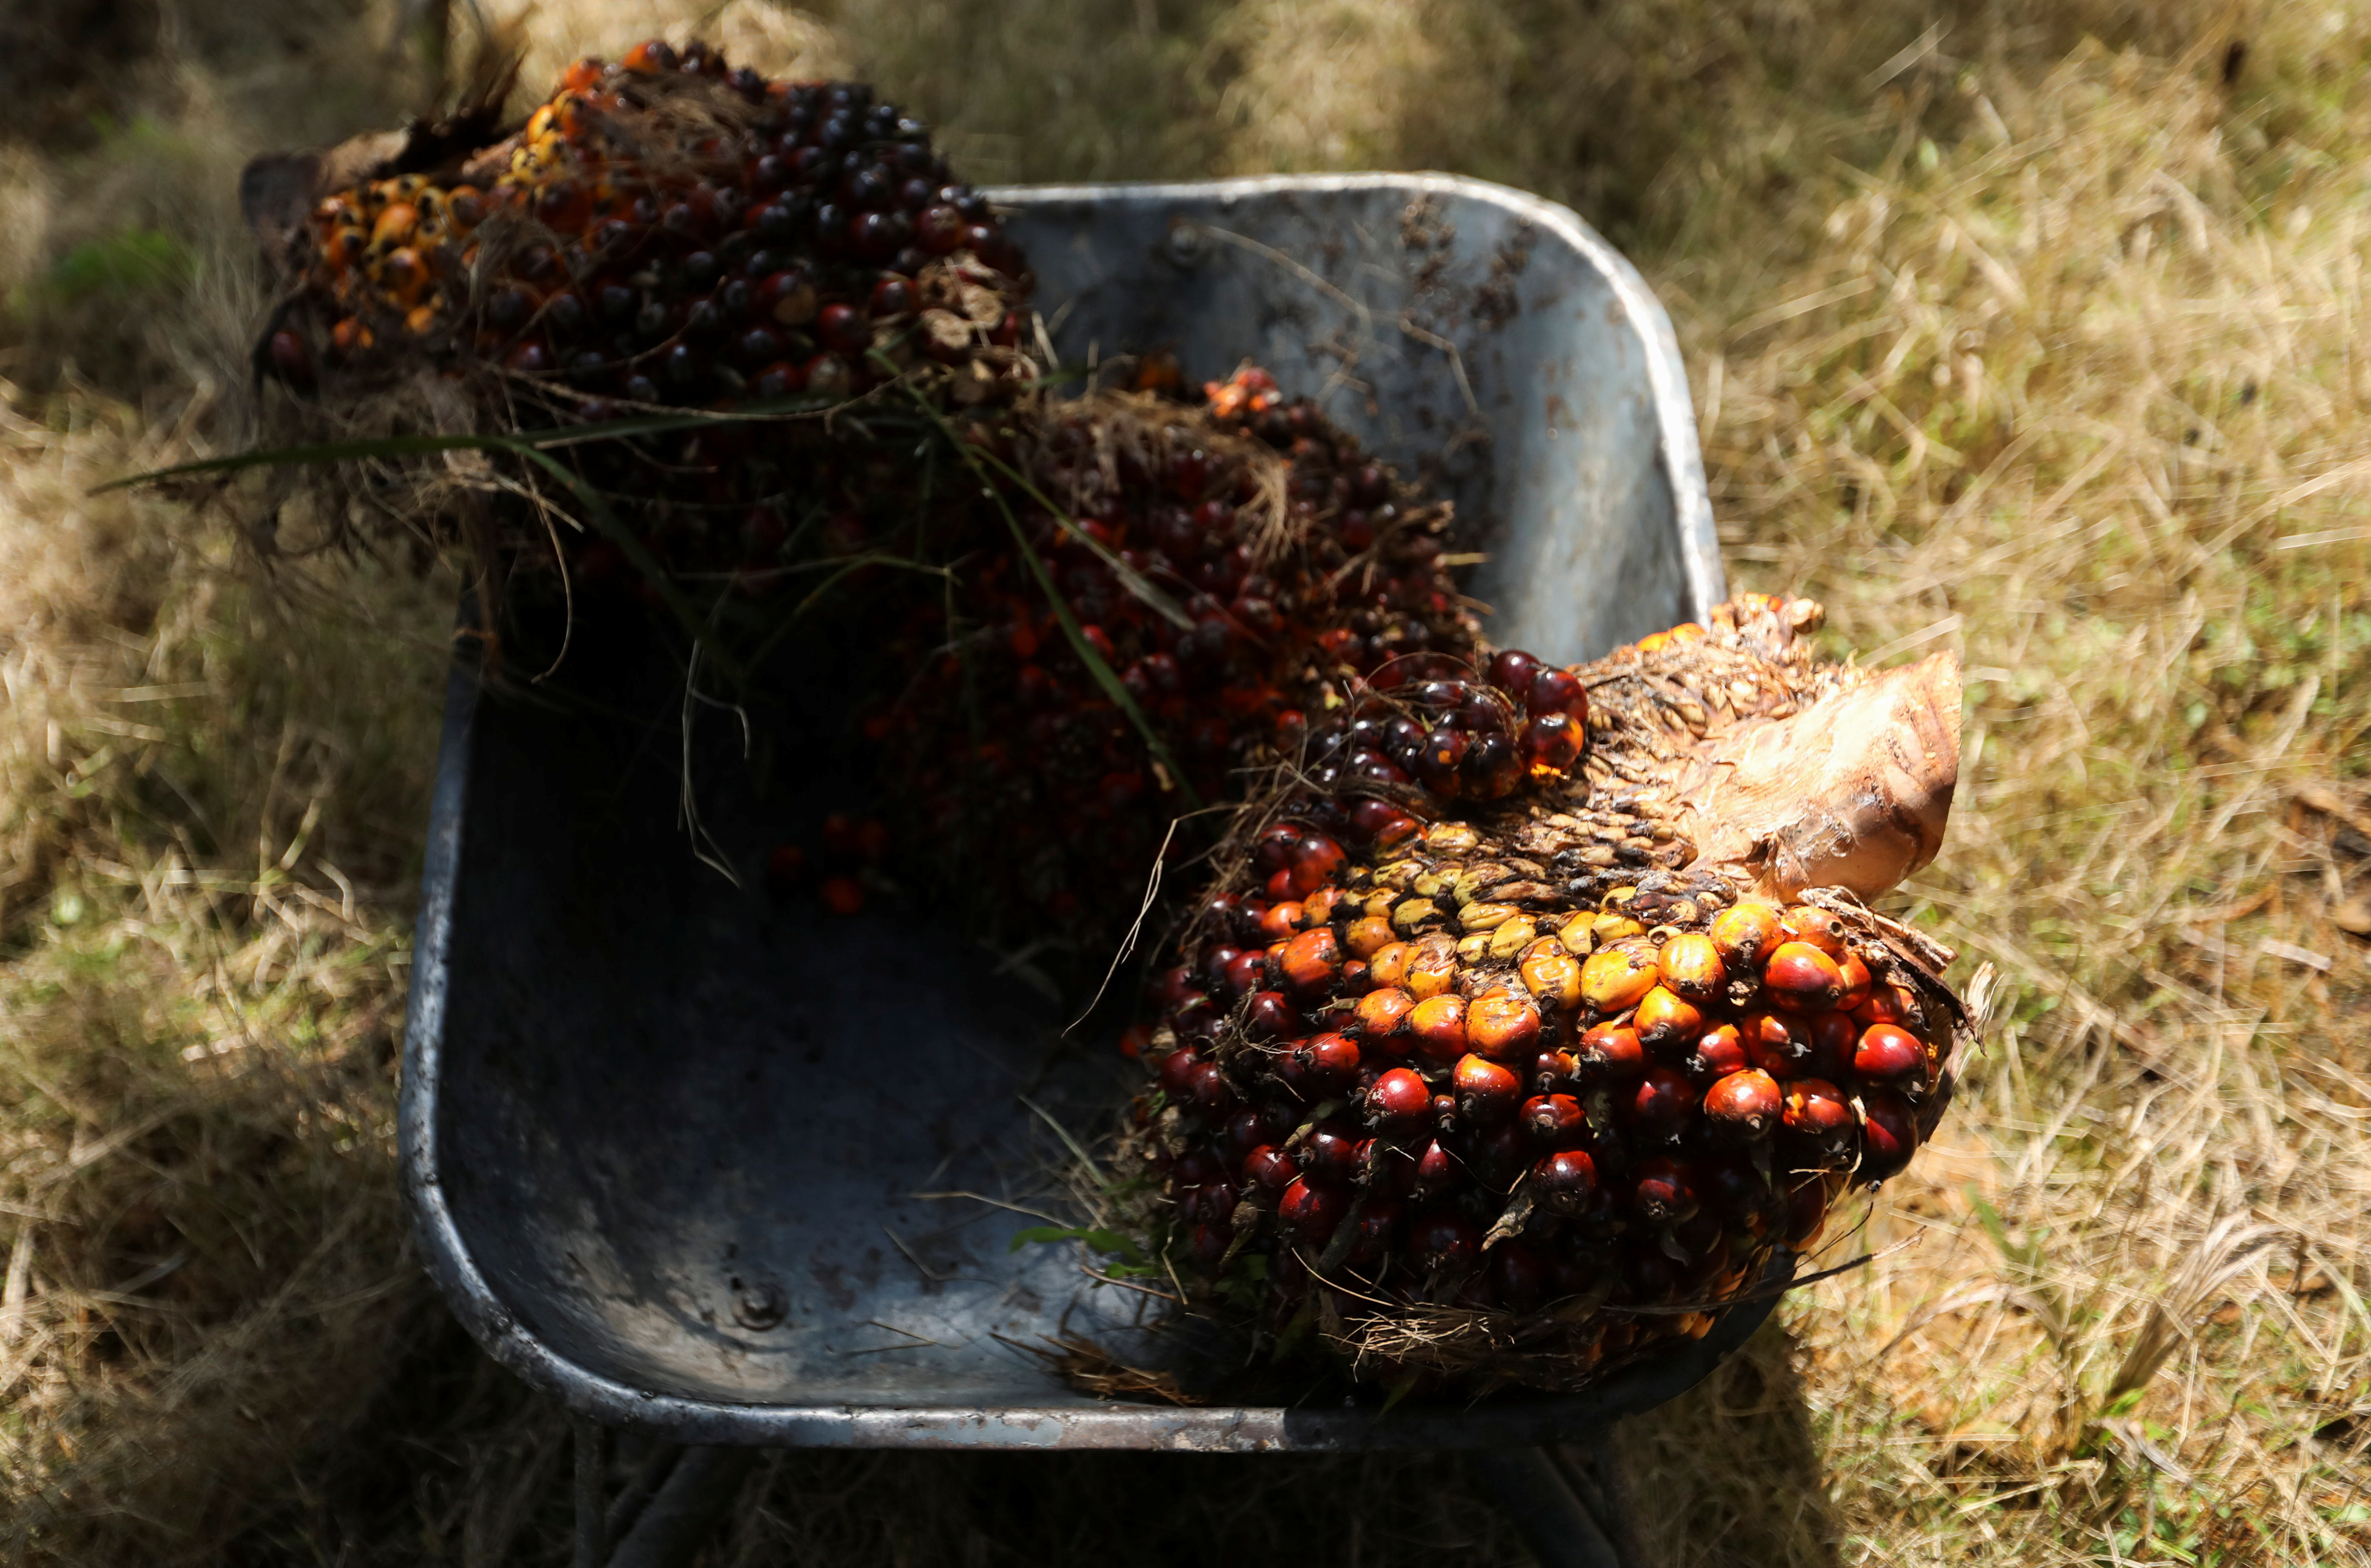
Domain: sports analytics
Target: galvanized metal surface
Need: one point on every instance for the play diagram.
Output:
(1458, 327)
(672, 1149)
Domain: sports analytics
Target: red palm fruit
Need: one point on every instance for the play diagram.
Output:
(1573, 1272)
(842, 896)
(1663, 1190)
(1551, 975)
(1392, 1172)
(1441, 1240)
(1354, 982)
(1280, 921)
(1270, 1168)
(1177, 1071)
(1399, 1101)
(1246, 1130)
(1440, 762)
(1555, 1121)
(1196, 1168)
(1380, 1219)
(1612, 1053)
(1244, 973)
(1552, 744)
(1662, 1102)
(1617, 979)
(1857, 982)
(843, 329)
(1211, 1202)
(1368, 935)
(1437, 1170)
(1818, 1117)
(1831, 1036)
(1742, 1194)
(1744, 1105)
(1311, 961)
(1209, 1092)
(1887, 1053)
(1519, 1275)
(1664, 1020)
(1438, 1025)
(1691, 969)
(1311, 1210)
(1381, 1011)
(1745, 934)
(1316, 860)
(1807, 1208)
(1565, 1181)
(1802, 923)
(1501, 1154)
(1886, 1004)
(1800, 978)
(1210, 1246)
(1778, 1043)
(1330, 1153)
(1269, 1016)
(1705, 1241)
(1502, 1026)
(1174, 985)
(1511, 670)
(1494, 768)
(1487, 1090)
(1555, 1072)
(651, 57)
(1648, 1277)
(1325, 1064)
(1889, 1135)
(1560, 691)
(1719, 1052)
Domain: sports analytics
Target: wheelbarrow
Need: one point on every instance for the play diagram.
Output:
(654, 1161)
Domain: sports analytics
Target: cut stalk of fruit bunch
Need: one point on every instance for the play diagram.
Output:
(1550, 1058)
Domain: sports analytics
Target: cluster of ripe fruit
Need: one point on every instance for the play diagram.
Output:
(761, 257)
(1408, 1069)
(1259, 611)
(668, 232)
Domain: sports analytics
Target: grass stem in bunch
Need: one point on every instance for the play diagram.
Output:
(1104, 675)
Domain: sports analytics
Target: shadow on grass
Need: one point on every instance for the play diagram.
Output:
(453, 1461)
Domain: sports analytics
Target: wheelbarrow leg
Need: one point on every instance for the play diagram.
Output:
(1539, 1498)
(592, 1509)
(1597, 1476)
(666, 1510)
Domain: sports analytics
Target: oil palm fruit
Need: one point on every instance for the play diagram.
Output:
(1625, 1011)
(663, 233)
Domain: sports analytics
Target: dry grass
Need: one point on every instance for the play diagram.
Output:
(2040, 347)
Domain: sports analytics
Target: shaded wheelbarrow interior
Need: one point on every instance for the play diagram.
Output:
(721, 1170)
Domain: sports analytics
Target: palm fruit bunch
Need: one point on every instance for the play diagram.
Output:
(1234, 568)
(1508, 1070)
(1127, 595)
(666, 233)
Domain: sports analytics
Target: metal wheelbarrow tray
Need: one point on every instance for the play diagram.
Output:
(664, 1140)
